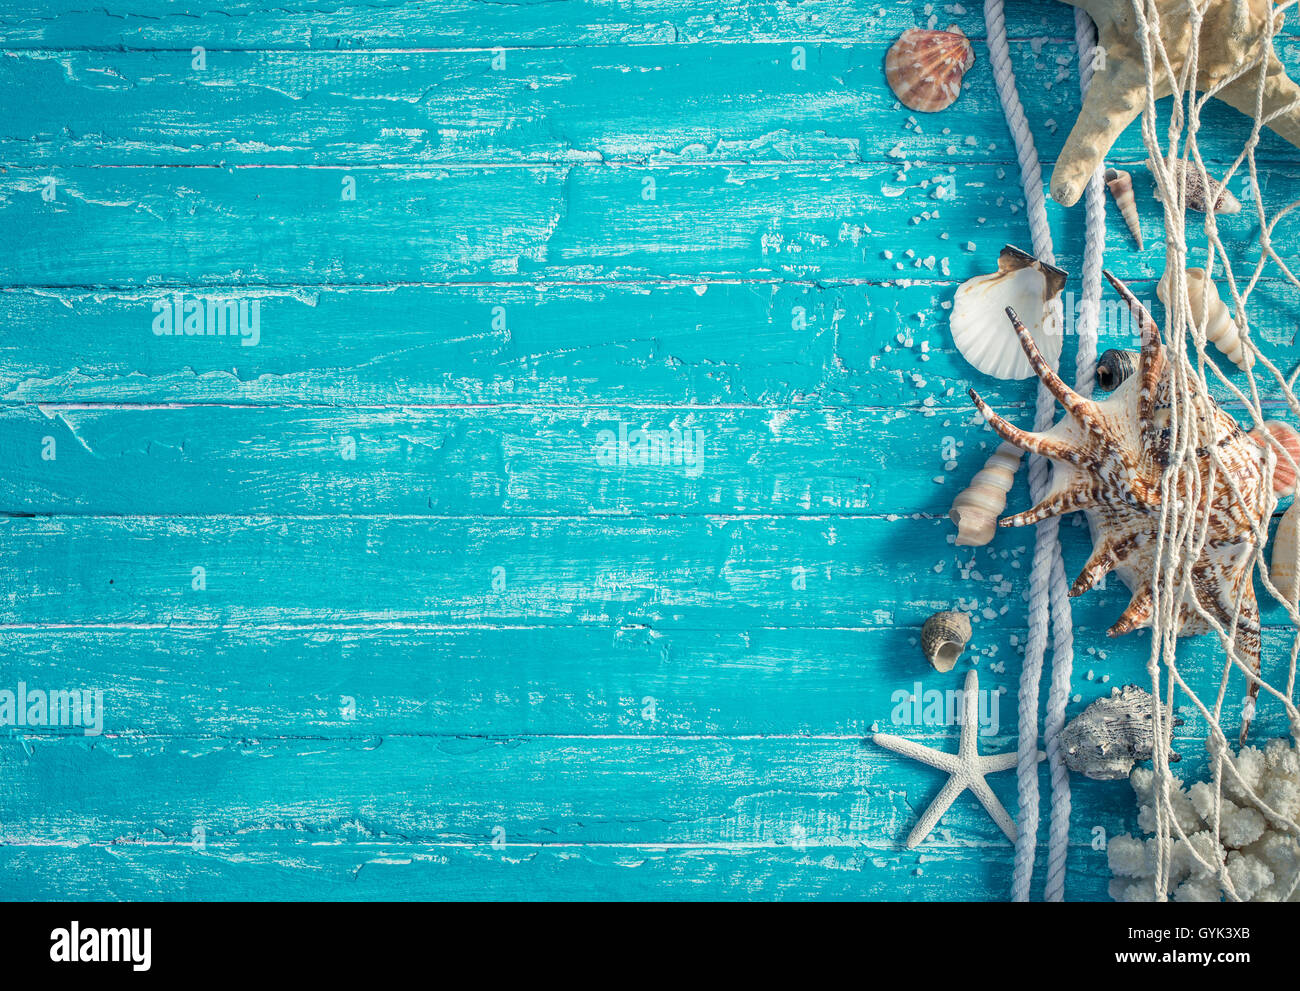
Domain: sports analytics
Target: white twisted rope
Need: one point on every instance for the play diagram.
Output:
(1048, 588)
(1058, 837)
(1045, 542)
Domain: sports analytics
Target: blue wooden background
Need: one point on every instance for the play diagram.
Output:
(471, 660)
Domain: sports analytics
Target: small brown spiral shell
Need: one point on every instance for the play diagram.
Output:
(1120, 184)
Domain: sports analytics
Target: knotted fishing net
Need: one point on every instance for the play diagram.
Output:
(1235, 832)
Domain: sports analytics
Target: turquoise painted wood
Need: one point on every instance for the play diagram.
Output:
(759, 343)
(644, 104)
(372, 611)
(566, 223)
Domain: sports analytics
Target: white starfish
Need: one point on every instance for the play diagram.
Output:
(966, 768)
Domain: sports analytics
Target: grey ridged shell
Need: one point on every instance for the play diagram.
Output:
(1105, 740)
(943, 637)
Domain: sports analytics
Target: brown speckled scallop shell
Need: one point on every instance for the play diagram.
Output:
(925, 68)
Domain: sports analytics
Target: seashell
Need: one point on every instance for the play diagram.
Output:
(925, 68)
(1197, 195)
(1114, 367)
(1282, 567)
(1284, 472)
(1220, 329)
(976, 508)
(979, 324)
(1120, 184)
(943, 637)
(1108, 460)
(1105, 740)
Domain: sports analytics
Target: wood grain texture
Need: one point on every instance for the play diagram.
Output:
(435, 646)
(325, 24)
(539, 223)
(657, 104)
(769, 344)
(371, 680)
(491, 461)
(382, 870)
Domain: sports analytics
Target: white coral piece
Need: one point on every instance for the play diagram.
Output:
(1248, 874)
(1253, 858)
(1198, 890)
(1242, 827)
(1128, 857)
(1184, 807)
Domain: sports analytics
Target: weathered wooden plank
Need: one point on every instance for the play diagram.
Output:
(321, 24)
(288, 802)
(204, 460)
(657, 104)
(538, 789)
(664, 571)
(705, 343)
(163, 226)
(380, 680)
(657, 570)
(309, 809)
(493, 461)
(250, 461)
(280, 868)
(363, 681)
(665, 574)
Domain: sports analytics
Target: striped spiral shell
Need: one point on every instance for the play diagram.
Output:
(1120, 184)
(977, 507)
(1220, 329)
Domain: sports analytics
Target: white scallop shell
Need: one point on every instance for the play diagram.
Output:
(979, 324)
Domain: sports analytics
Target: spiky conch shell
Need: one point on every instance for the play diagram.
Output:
(1220, 329)
(1120, 184)
(925, 68)
(1109, 458)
